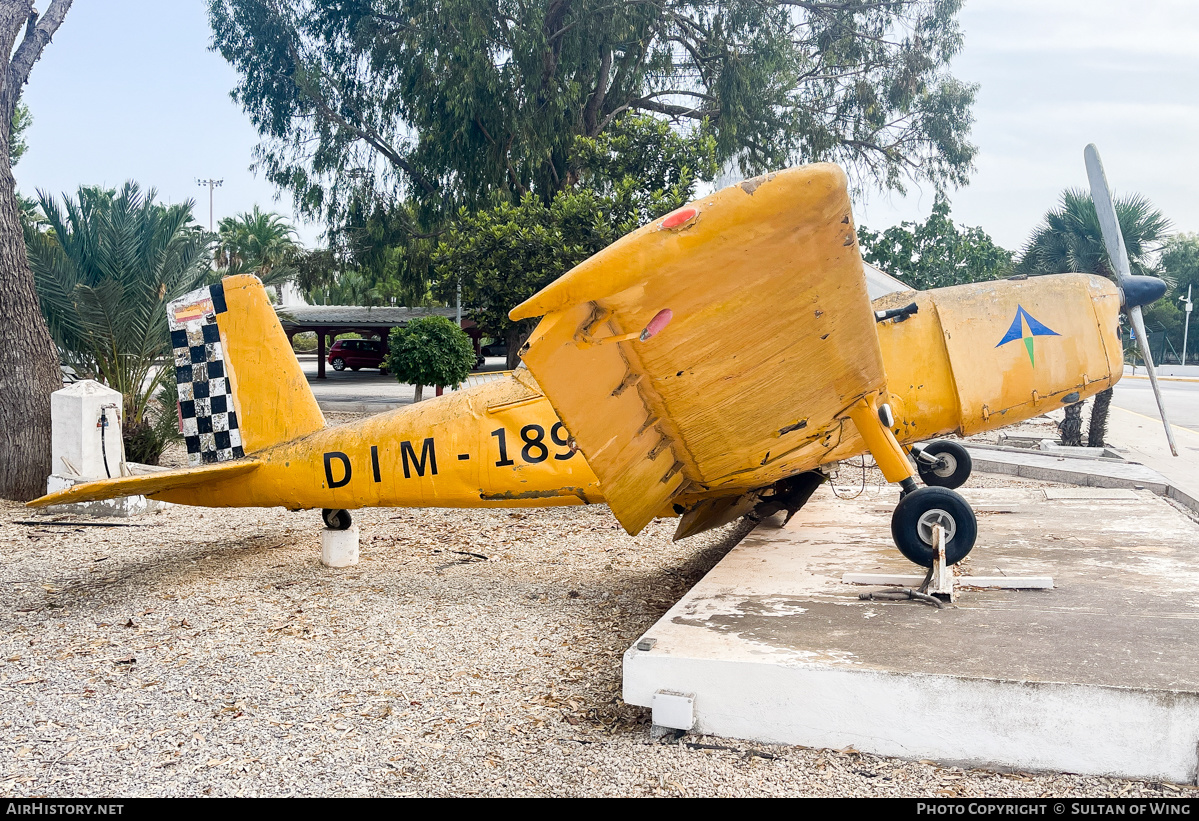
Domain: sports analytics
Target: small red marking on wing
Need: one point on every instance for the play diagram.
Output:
(679, 217)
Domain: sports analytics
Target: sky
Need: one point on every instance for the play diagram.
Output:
(128, 90)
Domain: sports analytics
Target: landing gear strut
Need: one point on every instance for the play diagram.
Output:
(920, 510)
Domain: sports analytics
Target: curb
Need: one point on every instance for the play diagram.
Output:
(359, 407)
(1087, 473)
(1161, 378)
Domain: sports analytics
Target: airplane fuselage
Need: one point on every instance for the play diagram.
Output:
(972, 358)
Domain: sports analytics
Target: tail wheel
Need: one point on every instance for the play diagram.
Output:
(952, 468)
(338, 364)
(919, 512)
(337, 519)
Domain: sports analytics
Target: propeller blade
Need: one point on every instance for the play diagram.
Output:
(1113, 238)
(1101, 195)
(1138, 325)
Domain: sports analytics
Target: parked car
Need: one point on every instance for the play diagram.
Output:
(356, 354)
(496, 348)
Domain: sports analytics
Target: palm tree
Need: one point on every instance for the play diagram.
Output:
(105, 267)
(257, 242)
(1070, 240)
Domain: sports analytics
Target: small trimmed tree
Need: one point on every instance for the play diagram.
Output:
(431, 350)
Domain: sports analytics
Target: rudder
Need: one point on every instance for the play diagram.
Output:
(241, 388)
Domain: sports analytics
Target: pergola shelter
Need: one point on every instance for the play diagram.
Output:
(327, 321)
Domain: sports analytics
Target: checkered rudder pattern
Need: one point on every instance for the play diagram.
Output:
(205, 396)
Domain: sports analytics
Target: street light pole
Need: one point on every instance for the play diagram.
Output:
(1186, 325)
(212, 185)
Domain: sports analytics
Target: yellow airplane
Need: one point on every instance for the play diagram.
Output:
(716, 362)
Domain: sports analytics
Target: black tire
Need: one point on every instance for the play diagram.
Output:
(337, 519)
(355, 368)
(914, 516)
(954, 465)
(338, 364)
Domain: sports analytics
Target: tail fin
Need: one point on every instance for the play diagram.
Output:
(241, 388)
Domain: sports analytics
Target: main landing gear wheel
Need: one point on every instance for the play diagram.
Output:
(952, 467)
(338, 364)
(920, 511)
(340, 519)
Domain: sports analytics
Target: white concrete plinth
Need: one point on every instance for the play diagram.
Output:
(1093, 676)
(339, 548)
(79, 445)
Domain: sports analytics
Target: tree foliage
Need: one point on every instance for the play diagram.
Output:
(504, 254)
(105, 269)
(1070, 239)
(257, 242)
(935, 253)
(447, 101)
(431, 350)
(1180, 262)
(17, 146)
(381, 246)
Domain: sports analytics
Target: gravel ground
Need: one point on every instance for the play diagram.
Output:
(469, 653)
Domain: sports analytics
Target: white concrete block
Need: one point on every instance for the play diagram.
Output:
(339, 548)
(1131, 733)
(673, 710)
(76, 445)
(775, 649)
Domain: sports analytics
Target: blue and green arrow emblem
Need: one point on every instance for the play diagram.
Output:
(1026, 328)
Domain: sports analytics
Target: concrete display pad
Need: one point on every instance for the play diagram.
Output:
(1099, 675)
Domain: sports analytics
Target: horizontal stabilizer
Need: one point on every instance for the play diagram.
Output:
(146, 484)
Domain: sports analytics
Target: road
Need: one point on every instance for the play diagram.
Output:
(1181, 398)
(365, 391)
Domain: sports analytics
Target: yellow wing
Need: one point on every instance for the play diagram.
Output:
(771, 337)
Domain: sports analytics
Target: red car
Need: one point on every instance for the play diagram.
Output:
(357, 353)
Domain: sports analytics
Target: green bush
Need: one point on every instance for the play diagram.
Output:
(431, 350)
(147, 438)
(304, 342)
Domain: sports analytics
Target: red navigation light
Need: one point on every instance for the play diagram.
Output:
(661, 320)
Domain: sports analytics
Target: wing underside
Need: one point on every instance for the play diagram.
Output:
(770, 339)
(147, 484)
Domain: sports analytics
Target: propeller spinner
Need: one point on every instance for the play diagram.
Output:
(1135, 291)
